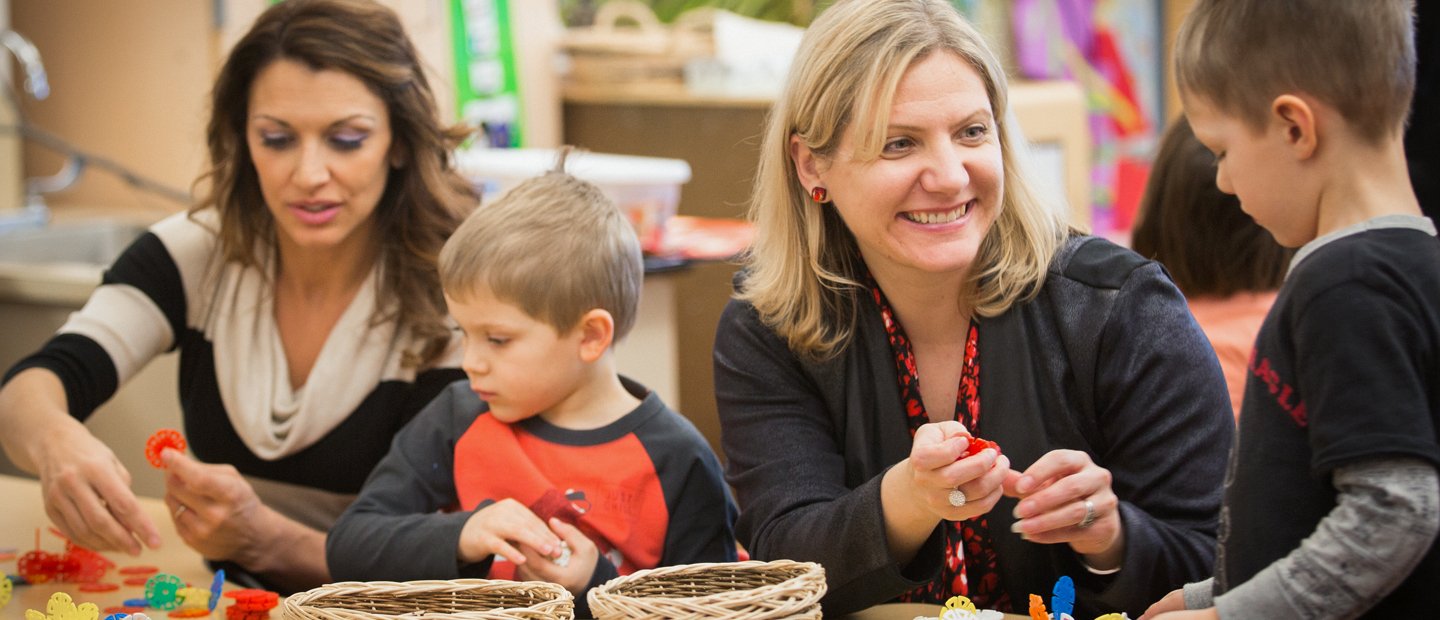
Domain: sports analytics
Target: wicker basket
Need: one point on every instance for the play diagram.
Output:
(735, 590)
(648, 53)
(461, 599)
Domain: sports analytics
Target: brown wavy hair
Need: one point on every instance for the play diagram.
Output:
(424, 200)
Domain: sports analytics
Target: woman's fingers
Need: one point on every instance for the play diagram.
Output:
(1066, 498)
(93, 506)
(1051, 466)
(937, 445)
(132, 521)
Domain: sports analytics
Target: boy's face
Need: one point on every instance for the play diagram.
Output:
(1259, 168)
(521, 366)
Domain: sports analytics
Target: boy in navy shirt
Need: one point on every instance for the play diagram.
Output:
(1331, 501)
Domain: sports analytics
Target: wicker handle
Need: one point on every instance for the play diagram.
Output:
(607, 19)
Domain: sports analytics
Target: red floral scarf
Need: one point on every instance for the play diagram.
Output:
(971, 568)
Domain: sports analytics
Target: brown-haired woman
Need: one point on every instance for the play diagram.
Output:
(906, 292)
(1228, 267)
(301, 293)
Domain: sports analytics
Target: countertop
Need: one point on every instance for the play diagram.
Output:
(66, 284)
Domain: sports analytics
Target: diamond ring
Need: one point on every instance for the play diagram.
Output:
(957, 498)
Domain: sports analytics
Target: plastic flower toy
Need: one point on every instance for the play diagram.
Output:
(62, 607)
(960, 608)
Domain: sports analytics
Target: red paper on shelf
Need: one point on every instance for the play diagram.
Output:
(706, 238)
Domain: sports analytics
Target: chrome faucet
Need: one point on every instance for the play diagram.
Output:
(34, 213)
(36, 82)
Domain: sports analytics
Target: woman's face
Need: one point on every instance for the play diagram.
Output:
(926, 202)
(320, 142)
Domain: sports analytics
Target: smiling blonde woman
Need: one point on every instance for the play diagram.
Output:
(898, 239)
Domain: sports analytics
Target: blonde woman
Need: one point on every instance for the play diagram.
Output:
(899, 241)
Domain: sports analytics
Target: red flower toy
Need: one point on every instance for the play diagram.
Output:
(163, 438)
(976, 445)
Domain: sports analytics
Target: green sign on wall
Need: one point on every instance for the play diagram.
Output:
(486, 84)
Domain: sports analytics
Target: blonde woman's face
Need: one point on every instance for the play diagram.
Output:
(320, 142)
(926, 202)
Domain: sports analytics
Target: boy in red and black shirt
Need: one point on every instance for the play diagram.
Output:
(546, 464)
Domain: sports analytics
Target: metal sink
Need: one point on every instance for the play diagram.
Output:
(92, 242)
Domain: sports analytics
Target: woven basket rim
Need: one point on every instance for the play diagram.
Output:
(808, 570)
(317, 598)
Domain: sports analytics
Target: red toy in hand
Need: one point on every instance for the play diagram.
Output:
(163, 438)
(977, 444)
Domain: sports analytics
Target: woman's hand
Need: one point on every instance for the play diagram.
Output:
(1053, 495)
(916, 494)
(215, 510)
(87, 494)
(935, 473)
(577, 569)
(493, 529)
(85, 488)
(217, 513)
(1174, 601)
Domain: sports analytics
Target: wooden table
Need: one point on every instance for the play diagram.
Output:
(23, 512)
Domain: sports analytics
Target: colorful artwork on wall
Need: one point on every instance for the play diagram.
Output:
(1112, 48)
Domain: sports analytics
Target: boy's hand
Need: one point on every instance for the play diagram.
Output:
(1174, 601)
(503, 528)
(576, 572)
(1208, 613)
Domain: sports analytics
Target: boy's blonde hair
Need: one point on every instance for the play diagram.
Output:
(1357, 56)
(804, 270)
(554, 246)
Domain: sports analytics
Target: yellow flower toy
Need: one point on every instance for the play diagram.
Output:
(62, 607)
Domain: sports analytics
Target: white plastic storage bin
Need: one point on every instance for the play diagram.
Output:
(646, 189)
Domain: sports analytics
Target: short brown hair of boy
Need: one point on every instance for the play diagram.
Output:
(1209, 246)
(1357, 56)
(554, 246)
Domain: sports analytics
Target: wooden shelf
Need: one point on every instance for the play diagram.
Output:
(656, 94)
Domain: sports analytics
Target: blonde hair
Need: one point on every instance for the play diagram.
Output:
(1358, 56)
(556, 247)
(804, 269)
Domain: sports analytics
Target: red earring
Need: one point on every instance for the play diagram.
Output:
(819, 195)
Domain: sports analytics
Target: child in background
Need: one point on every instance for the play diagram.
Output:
(546, 465)
(1228, 266)
(1331, 502)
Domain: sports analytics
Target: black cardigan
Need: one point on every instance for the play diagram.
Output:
(1105, 359)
